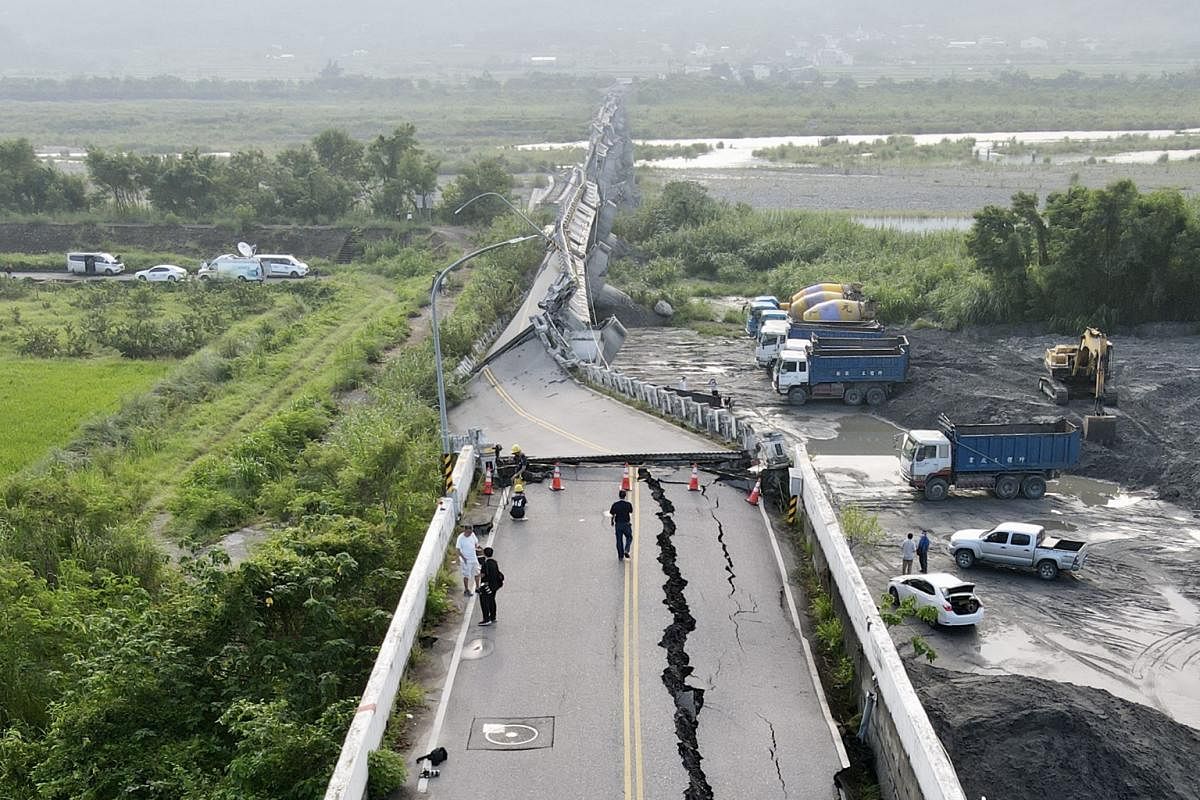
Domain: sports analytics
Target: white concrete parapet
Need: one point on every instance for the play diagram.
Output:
(349, 781)
(935, 774)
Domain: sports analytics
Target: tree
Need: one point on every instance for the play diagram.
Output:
(483, 175)
(119, 176)
(187, 186)
(340, 154)
(309, 191)
(400, 172)
(1000, 244)
(29, 186)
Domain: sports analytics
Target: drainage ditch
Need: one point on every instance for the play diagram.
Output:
(688, 699)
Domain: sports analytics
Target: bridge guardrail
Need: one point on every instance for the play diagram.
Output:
(349, 780)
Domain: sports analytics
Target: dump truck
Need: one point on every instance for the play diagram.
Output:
(851, 370)
(774, 336)
(755, 308)
(1010, 459)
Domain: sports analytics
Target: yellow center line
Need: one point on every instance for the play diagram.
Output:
(625, 691)
(491, 378)
(637, 670)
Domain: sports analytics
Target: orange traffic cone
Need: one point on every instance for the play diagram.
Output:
(755, 492)
(487, 481)
(694, 483)
(625, 479)
(556, 482)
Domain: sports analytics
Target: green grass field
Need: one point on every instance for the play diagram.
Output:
(45, 400)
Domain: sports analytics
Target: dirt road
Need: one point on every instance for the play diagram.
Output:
(1129, 624)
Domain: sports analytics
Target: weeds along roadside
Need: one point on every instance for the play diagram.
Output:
(262, 662)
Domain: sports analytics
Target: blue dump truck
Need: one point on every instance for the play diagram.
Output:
(755, 310)
(848, 369)
(1009, 459)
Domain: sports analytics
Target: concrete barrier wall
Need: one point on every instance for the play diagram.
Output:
(910, 760)
(349, 781)
(717, 422)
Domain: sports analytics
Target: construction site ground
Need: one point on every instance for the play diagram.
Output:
(1129, 624)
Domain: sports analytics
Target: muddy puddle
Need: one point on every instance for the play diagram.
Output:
(1128, 623)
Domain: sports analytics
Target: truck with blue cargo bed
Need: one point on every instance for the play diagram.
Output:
(1009, 459)
(755, 310)
(853, 370)
(774, 336)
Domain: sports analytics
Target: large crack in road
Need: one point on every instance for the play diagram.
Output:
(688, 699)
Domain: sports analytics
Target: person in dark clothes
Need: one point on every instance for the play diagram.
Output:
(923, 551)
(621, 514)
(519, 501)
(492, 580)
(520, 462)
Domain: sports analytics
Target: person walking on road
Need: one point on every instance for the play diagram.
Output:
(621, 515)
(908, 549)
(493, 579)
(468, 558)
(923, 551)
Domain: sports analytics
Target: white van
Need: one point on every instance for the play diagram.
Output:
(282, 266)
(94, 264)
(232, 268)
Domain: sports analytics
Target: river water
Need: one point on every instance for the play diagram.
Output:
(739, 152)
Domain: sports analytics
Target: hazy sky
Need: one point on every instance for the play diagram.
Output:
(73, 36)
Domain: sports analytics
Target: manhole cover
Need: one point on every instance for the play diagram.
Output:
(517, 733)
(477, 649)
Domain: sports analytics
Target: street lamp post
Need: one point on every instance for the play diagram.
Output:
(437, 338)
(540, 231)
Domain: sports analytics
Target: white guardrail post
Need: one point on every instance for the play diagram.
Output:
(349, 781)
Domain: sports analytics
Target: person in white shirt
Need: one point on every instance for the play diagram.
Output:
(682, 385)
(908, 551)
(468, 559)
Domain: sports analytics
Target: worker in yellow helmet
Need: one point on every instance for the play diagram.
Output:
(520, 462)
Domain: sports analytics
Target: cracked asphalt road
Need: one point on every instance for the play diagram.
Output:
(581, 635)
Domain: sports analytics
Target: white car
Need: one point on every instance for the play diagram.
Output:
(163, 272)
(282, 266)
(954, 600)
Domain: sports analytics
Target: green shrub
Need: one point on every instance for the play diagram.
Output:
(386, 773)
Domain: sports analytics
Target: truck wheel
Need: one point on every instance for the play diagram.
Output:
(1033, 487)
(964, 558)
(895, 596)
(853, 396)
(936, 489)
(1047, 570)
(797, 396)
(876, 395)
(1007, 487)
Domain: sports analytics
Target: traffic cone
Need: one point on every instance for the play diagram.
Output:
(487, 481)
(625, 479)
(694, 483)
(556, 481)
(755, 492)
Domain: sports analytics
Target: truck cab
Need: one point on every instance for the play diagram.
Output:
(924, 454)
(757, 306)
(772, 337)
(791, 365)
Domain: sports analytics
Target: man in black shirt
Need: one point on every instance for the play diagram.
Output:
(493, 579)
(621, 513)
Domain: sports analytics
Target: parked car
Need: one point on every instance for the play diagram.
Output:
(1018, 544)
(94, 264)
(163, 272)
(954, 600)
(232, 268)
(281, 266)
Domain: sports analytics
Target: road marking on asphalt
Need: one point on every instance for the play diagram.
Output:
(468, 612)
(626, 612)
(637, 650)
(550, 426)
(808, 656)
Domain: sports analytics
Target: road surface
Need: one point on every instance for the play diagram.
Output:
(575, 691)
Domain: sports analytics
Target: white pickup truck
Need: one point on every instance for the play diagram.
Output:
(1018, 544)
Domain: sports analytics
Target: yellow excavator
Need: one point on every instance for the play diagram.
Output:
(1084, 370)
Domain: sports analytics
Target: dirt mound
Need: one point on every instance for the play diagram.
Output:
(1022, 738)
(991, 374)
